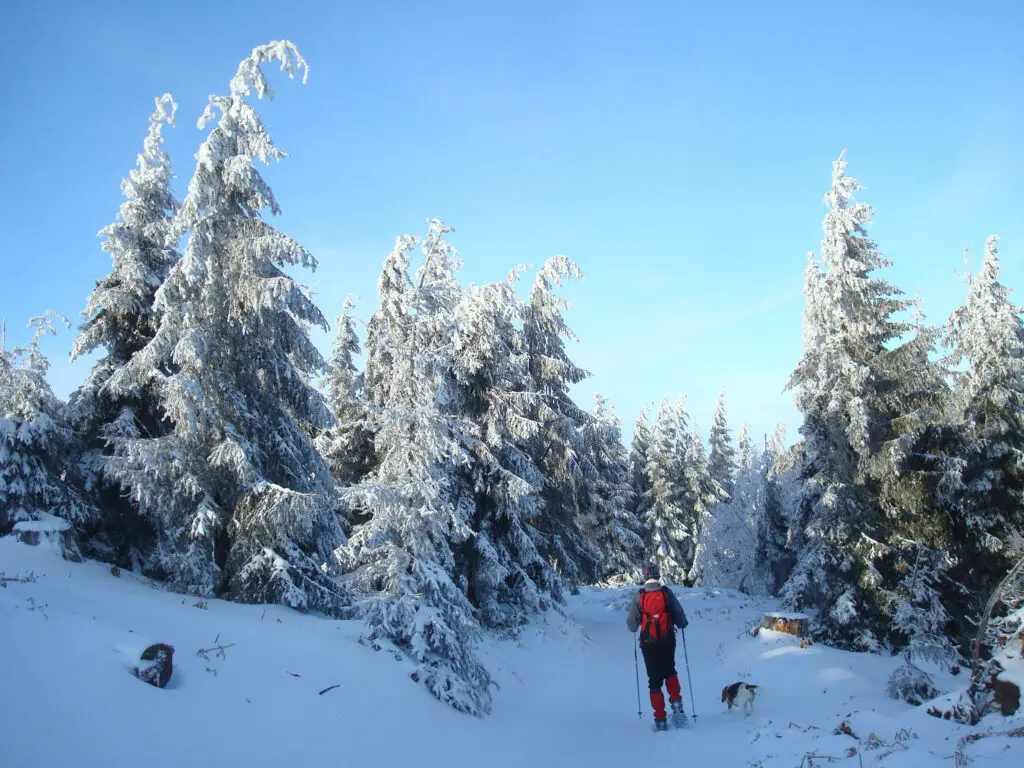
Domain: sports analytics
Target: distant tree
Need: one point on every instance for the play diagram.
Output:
(638, 455)
(722, 456)
(671, 525)
(701, 492)
(37, 446)
(727, 553)
(777, 508)
(347, 446)
(608, 519)
(389, 326)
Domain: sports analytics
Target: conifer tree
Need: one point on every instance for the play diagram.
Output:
(508, 578)
(916, 475)
(347, 446)
(841, 384)
(921, 619)
(672, 544)
(722, 455)
(556, 448)
(608, 520)
(727, 553)
(37, 445)
(120, 315)
(701, 492)
(638, 455)
(121, 318)
(241, 501)
(388, 328)
(987, 333)
(777, 506)
(403, 559)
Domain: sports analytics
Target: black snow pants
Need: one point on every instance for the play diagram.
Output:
(660, 660)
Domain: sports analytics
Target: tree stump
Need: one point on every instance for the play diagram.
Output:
(795, 624)
(157, 665)
(1006, 695)
(50, 531)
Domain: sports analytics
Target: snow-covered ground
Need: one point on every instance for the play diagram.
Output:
(567, 688)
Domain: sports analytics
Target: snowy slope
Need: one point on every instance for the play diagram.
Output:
(567, 697)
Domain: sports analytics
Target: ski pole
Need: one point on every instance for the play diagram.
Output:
(689, 679)
(636, 666)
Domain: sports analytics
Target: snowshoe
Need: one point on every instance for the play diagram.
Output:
(679, 718)
(661, 725)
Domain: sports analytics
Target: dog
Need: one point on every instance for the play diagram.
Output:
(740, 694)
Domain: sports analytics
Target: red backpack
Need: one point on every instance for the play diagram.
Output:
(655, 619)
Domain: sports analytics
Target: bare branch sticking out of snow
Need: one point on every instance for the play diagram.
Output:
(28, 578)
(960, 758)
(218, 651)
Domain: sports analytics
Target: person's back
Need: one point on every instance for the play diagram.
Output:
(656, 612)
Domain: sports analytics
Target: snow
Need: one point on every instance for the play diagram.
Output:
(786, 615)
(567, 694)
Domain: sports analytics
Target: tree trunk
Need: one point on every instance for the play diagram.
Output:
(1017, 570)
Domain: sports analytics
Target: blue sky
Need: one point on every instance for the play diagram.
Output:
(678, 152)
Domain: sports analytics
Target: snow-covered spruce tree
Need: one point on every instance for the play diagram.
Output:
(241, 501)
(701, 493)
(777, 505)
(607, 518)
(347, 446)
(36, 443)
(921, 619)
(917, 476)
(403, 556)
(638, 455)
(841, 385)
(672, 537)
(120, 318)
(727, 552)
(388, 328)
(555, 449)
(508, 578)
(721, 455)
(987, 333)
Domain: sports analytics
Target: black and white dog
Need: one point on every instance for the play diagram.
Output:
(740, 694)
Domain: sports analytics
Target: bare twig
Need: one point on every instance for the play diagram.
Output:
(29, 578)
(219, 649)
(41, 607)
(809, 758)
(329, 688)
(960, 758)
(801, 728)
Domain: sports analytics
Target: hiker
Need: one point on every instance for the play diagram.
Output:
(657, 612)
